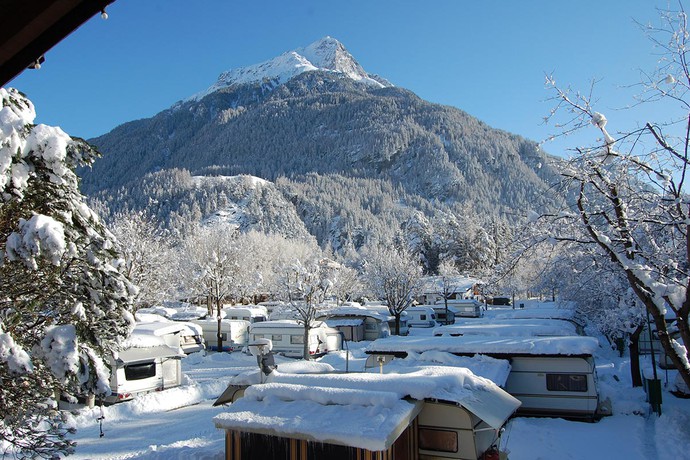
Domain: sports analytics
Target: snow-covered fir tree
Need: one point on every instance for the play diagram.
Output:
(65, 302)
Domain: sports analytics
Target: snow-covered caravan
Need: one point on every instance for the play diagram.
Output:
(287, 337)
(357, 324)
(551, 376)
(430, 413)
(468, 308)
(383, 310)
(253, 314)
(421, 316)
(140, 370)
(510, 328)
(444, 316)
(184, 335)
(234, 333)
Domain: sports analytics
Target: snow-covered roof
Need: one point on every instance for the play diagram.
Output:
(550, 346)
(341, 322)
(496, 370)
(360, 410)
(456, 284)
(510, 328)
(356, 311)
(533, 313)
(132, 355)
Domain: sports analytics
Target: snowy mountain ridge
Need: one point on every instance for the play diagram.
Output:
(326, 54)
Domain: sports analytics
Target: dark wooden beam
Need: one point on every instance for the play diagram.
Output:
(30, 28)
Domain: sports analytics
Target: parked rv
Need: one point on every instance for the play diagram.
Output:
(551, 376)
(184, 335)
(357, 324)
(140, 370)
(234, 333)
(468, 308)
(253, 314)
(444, 316)
(382, 309)
(287, 337)
(509, 328)
(421, 316)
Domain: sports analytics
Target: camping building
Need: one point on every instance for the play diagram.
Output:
(432, 412)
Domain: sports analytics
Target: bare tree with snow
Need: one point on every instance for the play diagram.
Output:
(630, 192)
(394, 275)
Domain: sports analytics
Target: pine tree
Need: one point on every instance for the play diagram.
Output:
(65, 304)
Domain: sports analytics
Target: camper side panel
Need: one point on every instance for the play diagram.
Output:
(446, 431)
(560, 386)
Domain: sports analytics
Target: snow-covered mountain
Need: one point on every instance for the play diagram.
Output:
(352, 155)
(326, 54)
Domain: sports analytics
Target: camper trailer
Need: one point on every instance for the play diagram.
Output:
(383, 310)
(233, 333)
(253, 314)
(509, 328)
(421, 316)
(551, 376)
(452, 414)
(140, 370)
(184, 335)
(467, 308)
(287, 337)
(444, 316)
(357, 324)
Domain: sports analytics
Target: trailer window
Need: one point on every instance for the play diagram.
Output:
(422, 317)
(297, 339)
(566, 382)
(438, 440)
(277, 338)
(140, 371)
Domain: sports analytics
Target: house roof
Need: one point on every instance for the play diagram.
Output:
(29, 29)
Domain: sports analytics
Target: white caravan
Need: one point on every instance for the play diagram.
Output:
(184, 335)
(140, 370)
(287, 337)
(468, 308)
(357, 323)
(382, 309)
(551, 376)
(253, 314)
(234, 333)
(421, 316)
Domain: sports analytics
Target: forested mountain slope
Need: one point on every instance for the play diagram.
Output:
(348, 131)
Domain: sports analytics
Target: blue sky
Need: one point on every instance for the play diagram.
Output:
(487, 58)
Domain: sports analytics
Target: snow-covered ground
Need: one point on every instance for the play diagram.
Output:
(177, 423)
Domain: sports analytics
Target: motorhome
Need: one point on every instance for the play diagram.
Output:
(139, 370)
(551, 376)
(421, 316)
(357, 324)
(234, 333)
(287, 337)
(253, 314)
